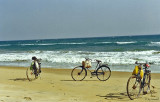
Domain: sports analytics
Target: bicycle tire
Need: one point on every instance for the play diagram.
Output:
(146, 86)
(103, 73)
(133, 87)
(30, 74)
(78, 73)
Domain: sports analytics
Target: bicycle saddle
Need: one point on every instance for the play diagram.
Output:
(98, 61)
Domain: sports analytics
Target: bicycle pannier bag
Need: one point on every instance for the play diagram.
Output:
(135, 71)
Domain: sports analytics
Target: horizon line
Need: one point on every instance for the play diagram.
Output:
(83, 37)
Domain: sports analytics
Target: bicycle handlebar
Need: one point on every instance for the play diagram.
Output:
(95, 60)
(139, 63)
(144, 63)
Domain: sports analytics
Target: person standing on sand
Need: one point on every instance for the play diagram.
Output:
(35, 65)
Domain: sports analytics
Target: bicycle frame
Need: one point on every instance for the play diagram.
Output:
(95, 73)
(97, 66)
(146, 72)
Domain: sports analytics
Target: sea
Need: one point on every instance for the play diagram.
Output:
(119, 52)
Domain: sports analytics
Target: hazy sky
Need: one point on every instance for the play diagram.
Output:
(50, 19)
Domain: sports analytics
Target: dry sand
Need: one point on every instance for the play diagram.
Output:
(56, 85)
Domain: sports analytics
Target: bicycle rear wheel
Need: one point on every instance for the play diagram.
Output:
(30, 74)
(103, 73)
(78, 73)
(146, 86)
(133, 87)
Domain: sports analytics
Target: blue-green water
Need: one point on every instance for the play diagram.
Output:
(67, 53)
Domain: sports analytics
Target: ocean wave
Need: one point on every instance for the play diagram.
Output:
(46, 44)
(26, 44)
(116, 42)
(6, 45)
(126, 42)
(113, 58)
(154, 44)
(69, 43)
(35, 44)
(70, 59)
(102, 42)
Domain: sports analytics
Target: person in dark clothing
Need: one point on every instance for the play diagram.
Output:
(35, 65)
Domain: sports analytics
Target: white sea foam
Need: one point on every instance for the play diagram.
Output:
(126, 42)
(102, 42)
(26, 44)
(53, 44)
(116, 42)
(71, 43)
(37, 44)
(154, 44)
(114, 58)
(70, 59)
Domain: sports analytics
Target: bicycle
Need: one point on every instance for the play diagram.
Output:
(33, 74)
(139, 81)
(102, 71)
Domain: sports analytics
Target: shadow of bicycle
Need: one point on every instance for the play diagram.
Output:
(19, 79)
(124, 97)
(80, 81)
(115, 96)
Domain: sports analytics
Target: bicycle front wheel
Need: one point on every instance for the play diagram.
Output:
(133, 87)
(103, 73)
(78, 73)
(30, 74)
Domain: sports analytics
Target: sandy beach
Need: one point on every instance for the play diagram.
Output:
(56, 85)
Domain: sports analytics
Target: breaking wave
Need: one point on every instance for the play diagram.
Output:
(75, 57)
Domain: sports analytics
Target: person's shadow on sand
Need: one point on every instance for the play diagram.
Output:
(19, 79)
